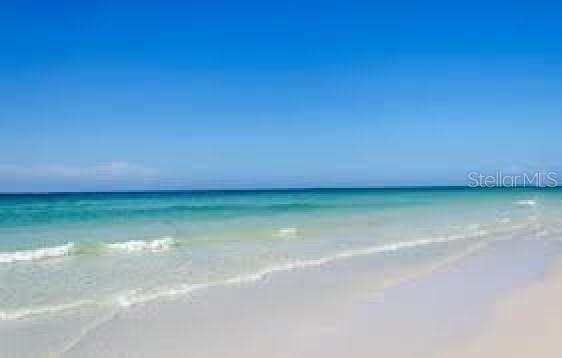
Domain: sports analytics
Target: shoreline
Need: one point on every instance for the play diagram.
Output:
(301, 314)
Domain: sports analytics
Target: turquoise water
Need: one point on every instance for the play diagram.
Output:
(59, 252)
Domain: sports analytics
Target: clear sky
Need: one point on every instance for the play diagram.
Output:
(209, 94)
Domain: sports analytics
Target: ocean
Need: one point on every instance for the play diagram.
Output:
(62, 254)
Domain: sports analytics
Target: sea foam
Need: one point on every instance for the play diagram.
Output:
(37, 254)
(143, 245)
(36, 311)
(71, 249)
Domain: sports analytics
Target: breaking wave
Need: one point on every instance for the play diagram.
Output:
(37, 254)
(72, 249)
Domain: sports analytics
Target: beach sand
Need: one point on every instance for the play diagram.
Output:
(501, 301)
(525, 323)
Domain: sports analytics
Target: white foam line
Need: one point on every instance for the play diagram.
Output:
(28, 312)
(37, 254)
(70, 248)
(143, 245)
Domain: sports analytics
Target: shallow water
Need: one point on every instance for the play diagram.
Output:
(65, 253)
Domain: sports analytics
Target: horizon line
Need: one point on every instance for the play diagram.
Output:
(265, 189)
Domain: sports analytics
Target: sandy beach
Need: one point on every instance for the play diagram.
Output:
(500, 301)
(525, 323)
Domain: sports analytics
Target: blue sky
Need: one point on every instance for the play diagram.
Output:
(183, 95)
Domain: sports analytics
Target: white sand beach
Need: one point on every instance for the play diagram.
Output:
(525, 323)
(501, 301)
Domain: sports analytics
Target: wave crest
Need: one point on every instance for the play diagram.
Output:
(37, 254)
(71, 249)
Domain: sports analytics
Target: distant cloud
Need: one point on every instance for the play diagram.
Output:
(98, 171)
